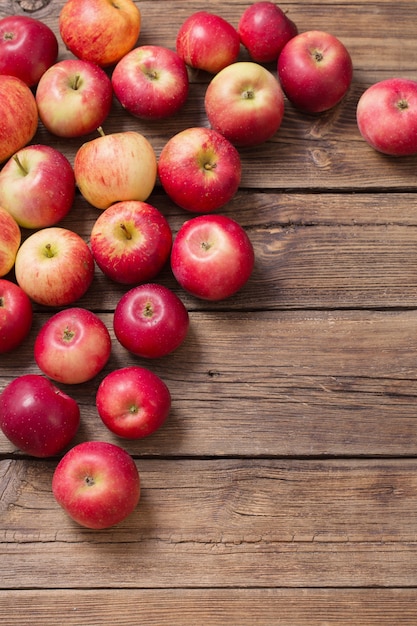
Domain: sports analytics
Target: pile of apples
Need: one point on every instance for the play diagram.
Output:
(199, 168)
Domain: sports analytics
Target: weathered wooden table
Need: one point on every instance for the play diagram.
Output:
(283, 488)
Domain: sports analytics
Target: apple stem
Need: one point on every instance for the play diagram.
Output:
(1, 302)
(125, 231)
(100, 131)
(76, 83)
(20, 165)
(48, 250)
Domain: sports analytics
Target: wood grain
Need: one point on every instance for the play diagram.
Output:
(282, 488)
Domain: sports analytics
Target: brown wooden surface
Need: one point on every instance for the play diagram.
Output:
(283, 487)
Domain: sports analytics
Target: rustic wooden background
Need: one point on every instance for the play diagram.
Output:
(283, 487)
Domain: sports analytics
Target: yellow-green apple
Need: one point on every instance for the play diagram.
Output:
(101, 31)
(199, 169)
(9, 241)
(115, 167)
(133, 402)
(131, 241)
(54, 266)
(74, 98)
(97, 484)
(37, 186)
(16, 315)
(73, 346)
(315, 70)
(37, 417)
(212, 257)
(386, 115)
(150, 321)
(151, 82)
(207, 41)
(264, 29)
(18, 116)
(244, 102)
(27, 48)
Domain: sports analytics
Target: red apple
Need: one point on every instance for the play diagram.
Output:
(54, 266)
(27, 48)
(208, 42)
(264, 29)
(131, 242)
(18, 115)
(100, 31)
(199, 169)
(244, 102)
(72, 346)
(9, 241)
(74, 98)
(15, 315)
(150, 321)
(212, 257)
(115, 167)
(387, 116)
(97, 484)
(37, 417)
(315, 71)
(151, 82)
(133, 402)
(37, 186)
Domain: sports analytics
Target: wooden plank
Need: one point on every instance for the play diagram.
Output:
(262, 384)
(241, 523)
(192, 607)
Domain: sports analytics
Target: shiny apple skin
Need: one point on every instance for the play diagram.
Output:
(212, 257)
(73, 346)
(16, 315)
(28, 47)
(133, 402)
(386, 115)
(98, 30)
(37, 417)
(97, 484)
(54, 266)
(150, 321)
(39, 189)
(18, 114)
(199, 169)
(245, 103)
(151, 82)
(10, 240)
(264, 29)
(131, 242)
(207, 41)
(315, 70)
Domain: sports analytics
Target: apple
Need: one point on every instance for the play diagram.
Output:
(37, 417)
(27, 48)
(97, 484)
(74, 97)
(207, 42)
(131, 242)
(133, 402)
(151, 82)
(212, 257)
(150, 321)
(115, 167)
(101, 31)
(386, 115)
(18, 114)
(54, 266)
(9, 241)
(16, 315)
(264, 29)
(244, 102)
(73, 346)
(199, 169)
(315, 71)
(37, 186)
